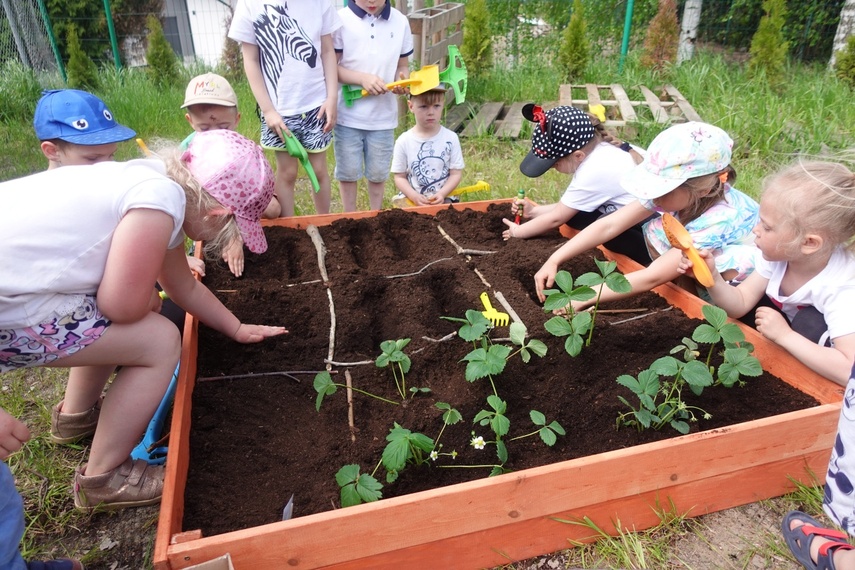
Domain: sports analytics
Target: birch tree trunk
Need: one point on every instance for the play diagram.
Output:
(689, 30)
(845, 28)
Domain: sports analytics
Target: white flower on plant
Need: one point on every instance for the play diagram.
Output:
(454, 455)
(434, 455)
(478, 442)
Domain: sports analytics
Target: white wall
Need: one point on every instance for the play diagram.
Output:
(207, 24)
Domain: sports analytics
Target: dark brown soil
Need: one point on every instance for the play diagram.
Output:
(256, 441)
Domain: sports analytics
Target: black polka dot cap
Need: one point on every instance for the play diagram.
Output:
(558, 132)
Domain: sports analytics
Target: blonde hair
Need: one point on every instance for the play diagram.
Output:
(200, 206)
(815, 197)
(602, 135)
(705, 191)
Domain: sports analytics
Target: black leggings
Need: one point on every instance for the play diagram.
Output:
(629, 243)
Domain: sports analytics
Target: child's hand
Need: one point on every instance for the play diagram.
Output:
(275, 123)
(511, 231)
(422, 200)
(196, 265)
(373, 84)
(233, 255)
(518, 207)
(771, 324)
(685, 265)
(401, 89)
(328, 113)
(545, 277)
(13, 434)
(247, 334)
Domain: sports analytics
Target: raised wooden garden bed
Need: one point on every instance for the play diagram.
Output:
(492, 521)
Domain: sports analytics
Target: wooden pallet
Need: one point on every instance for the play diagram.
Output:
(506, 120)
(668, 106)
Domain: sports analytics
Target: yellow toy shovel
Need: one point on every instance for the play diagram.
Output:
(420, 81)
(679, 237)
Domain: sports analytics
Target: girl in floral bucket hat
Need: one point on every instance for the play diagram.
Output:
(80, 291)
(687, 173)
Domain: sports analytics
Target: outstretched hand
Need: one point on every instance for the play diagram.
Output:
(545, 278)
(249, 334)
(233, 256)
(13, 434)
(512, 229)
(771, 324)
(685, 265)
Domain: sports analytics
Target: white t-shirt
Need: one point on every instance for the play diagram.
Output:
(832, 291)
(288, 36)
(427, 162)
(56, 228)
(372, 44)
(596, 183)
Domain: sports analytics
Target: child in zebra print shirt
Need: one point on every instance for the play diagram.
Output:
(291, 66)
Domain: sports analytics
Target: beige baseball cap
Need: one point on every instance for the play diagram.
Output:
(210, 88)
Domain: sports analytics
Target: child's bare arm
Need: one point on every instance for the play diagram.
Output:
(662, 270)
(736, 301)
(554, 216)
(252, 68)
(330, 63)
(136, 255)
(834, 363)
(453, 180)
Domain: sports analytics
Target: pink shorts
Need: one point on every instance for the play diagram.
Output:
(57, 337)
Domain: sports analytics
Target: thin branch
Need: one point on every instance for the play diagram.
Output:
(305, 282)
(450, 239)
(449, 336)
(482, 278)
(321, 249)
(507, 306)
(349, 386)
(641, 316)
(332, 328)
(288, 373)
(476, 252)
(419, 271)
(358, 363)
(617, 311)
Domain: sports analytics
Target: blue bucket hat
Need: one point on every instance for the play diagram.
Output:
(77, 117)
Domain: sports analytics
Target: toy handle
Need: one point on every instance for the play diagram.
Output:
(700, 267)
(401, 83)
(485, 300)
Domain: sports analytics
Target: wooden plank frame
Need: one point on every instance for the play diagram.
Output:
(511, 125)
(621, 110)
(480, 123)
(496, 520)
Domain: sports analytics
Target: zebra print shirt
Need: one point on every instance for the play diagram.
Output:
(288, 35)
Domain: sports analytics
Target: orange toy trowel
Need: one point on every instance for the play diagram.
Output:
(680, 238)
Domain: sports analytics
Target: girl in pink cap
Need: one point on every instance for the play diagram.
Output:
(79, 291)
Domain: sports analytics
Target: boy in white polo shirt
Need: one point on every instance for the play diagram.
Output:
(373, 46)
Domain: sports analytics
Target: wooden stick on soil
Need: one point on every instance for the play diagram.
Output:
(482, 278)
(507, 306)
(321, 249)
(305, 283)
(641, 316)
(449, 336)
(288, 373)
(450, 239)
(357, 363)
(349, 385)
(419, 271)
(332, 329)
(476, 252)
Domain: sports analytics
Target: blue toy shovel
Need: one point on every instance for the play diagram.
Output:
(149, 449)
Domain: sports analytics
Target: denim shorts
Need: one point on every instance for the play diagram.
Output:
(59, 336)
(307, 127)
(361, 153)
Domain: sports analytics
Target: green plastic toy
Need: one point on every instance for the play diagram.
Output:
(295, 149)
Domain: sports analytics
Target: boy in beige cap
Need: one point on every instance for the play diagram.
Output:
(211, 104)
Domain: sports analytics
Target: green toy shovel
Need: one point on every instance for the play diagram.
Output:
(295, 149)
(455, 75)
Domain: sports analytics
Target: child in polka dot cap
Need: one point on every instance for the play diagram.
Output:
(575, 143)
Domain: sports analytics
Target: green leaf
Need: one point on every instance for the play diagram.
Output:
(500, 425)
(706, 334)
(525, 355)
(548, 437)
(388, 346)
(564, 281)
(558, 326)
(573, 345)
(368, 488)
(402, 343)
(716, 316)
(501, 451)
(589, 280)
(497, 403)
(476, 370)
(347, 474)
(477, 355)
(537, 347)
(405, 362)
(605, 267)
(557, 428)
(581, 322)
(350, 496)
(451, 417)
(395, 454)
(324, 386)
(517, 333)
(556, 301)
(697, 374)
(537, 418)
(680, 426)
(382, 360)
(618, 283)
(666, 366)
(731, 332)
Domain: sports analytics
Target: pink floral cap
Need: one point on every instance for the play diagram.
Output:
(686, 150)
(234, 170)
